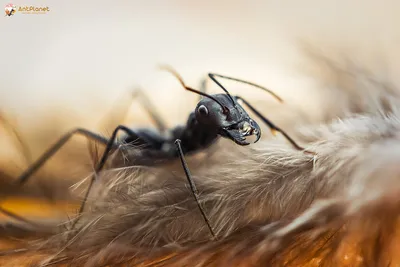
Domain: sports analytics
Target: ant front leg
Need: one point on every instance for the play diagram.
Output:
(193, 186)
(271, 125)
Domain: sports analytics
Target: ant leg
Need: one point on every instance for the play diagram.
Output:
(23, 178)
(110, 144)
(192, 185)
(122, 105)
(150, 109)
(273, 127)
(17, 217)
(203, 87)
(18, 138)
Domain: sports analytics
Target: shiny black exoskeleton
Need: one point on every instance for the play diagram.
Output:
(209, 120)
(215, 115)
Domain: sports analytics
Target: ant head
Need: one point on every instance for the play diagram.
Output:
(222, 113)
(227, 117)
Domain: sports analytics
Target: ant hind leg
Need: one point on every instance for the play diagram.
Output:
(147, 104)
(18, 138)
(27, 174)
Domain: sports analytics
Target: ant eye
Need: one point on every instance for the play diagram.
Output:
(203, 110)
(225, 111)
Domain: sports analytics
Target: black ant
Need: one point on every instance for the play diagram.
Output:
(215, 115)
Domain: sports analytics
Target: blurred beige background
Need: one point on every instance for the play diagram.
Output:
(83, 55)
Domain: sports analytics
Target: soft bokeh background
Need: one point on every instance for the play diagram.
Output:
(82, 55)
(74, 65)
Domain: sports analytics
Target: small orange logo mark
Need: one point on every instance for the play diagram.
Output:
(10, 9)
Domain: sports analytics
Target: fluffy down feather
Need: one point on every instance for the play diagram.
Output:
(269, 205)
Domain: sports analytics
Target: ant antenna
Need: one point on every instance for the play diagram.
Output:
(223, 88)
(211, 75)
(180, 79)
